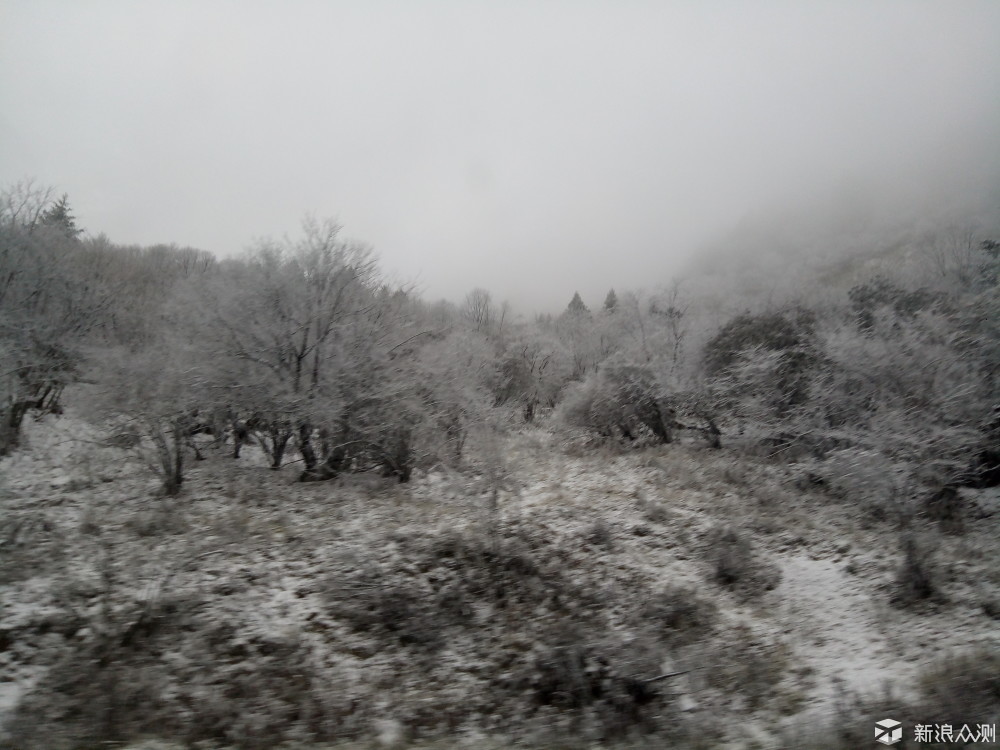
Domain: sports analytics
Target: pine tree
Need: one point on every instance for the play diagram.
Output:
(59, 216)
(576, 305)
(611, 301)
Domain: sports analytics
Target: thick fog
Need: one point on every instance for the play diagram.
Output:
(531, 148)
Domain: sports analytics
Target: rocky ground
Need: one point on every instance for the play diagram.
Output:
(538, 594)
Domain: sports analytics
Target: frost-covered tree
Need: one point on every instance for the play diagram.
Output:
(314, 351)
(533, 371)
(48, 306)
(621, 401)
(279, 322)
(60, 217)
(153, 394)
(576, 306)
(611, 301)
(482, 315)
(478, 310)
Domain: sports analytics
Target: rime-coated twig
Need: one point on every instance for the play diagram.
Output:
(666, 676)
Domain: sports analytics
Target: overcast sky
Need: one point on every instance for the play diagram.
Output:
(532, 148)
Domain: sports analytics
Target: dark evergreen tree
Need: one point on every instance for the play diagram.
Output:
(611, 301)
(576, 305)
(59, 216)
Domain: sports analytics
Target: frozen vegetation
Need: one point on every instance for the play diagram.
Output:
(278, 501)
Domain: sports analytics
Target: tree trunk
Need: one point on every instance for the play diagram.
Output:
(334, 458)
(11, 419)
(40, 401)
(305, 447)
(177, 469)
(218, 420)
(198, 456)
(171, 485)
(712, 432)
(714, 435)
(663, 425)
(324, 443)
(529, 411)
(54, 406)
(279, 441)
(170, 452)
(399, 458)
(456, 436)
(240, 435)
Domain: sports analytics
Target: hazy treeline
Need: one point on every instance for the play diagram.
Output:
(889, 384)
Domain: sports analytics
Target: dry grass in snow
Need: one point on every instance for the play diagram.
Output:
(253, 610)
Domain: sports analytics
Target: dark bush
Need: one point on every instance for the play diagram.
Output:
(624, 402)
(679, 615)
(917, 578)
(991, 608)
(732, 555)
(962, 689)
(984, 470)
(736, 566)
(511, 570)
(391, 613)
(655, 512)
(947, 507)
(880, 292)
(769, 358)
(595, 684)
(752, 667)
(781, 332)
(599, 535)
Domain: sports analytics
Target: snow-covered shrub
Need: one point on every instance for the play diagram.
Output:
(898, 409)
(590, 683)
(879, 292)
(753, 667)
(143, 400)
(870, 479)
(620, 401)
(397, 614)
(160, 520)
(532, 371)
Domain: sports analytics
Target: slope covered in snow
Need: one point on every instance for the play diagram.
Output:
(539, 597)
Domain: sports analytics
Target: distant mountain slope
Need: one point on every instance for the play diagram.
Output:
(828, 245)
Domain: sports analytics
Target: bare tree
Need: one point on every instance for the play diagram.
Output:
(671, 310)
(959, 258)
(151, 393)
(24, 203)
(318, 353)
(480, 313)
(293, 296)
